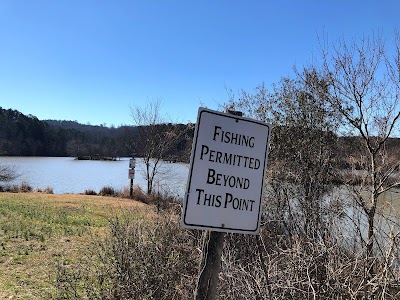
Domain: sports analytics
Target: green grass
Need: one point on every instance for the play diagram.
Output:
(38, 221)
(39, 232)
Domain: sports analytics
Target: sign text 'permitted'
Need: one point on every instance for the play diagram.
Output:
(227, 171)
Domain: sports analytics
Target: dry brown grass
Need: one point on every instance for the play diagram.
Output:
(38, 232)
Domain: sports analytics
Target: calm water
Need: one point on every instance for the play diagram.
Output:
(67, 175)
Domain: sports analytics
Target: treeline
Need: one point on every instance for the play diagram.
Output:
(26, 135)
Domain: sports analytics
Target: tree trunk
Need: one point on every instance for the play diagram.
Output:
(370, 241)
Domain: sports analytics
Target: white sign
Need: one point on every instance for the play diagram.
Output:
(132, 163)
(228, 165)
(131, 174)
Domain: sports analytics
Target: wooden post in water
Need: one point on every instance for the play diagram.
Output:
(213, 244)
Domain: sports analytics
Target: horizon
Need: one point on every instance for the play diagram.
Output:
(91, 62)
(394, 136)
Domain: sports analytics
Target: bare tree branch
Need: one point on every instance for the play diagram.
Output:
(7, 173)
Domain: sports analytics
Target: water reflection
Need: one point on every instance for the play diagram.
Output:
(354, 223)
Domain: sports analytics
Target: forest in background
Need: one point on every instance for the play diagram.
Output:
(26, 135)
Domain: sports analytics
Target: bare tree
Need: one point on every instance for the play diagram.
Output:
(355, 93)
(302, 150)
(364, 86)
(7, 173)
(156, 140)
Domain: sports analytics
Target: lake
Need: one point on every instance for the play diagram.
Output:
(67, 175)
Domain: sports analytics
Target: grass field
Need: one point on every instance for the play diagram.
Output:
(38, 232)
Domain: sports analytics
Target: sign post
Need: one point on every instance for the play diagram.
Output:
(131, 175)
(225, 185)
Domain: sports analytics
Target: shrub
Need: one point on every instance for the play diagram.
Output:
(11, 188)
(90, 192)
(163, 201)
(25, 188)
(141, 259)
(139, 195)
(125, 192)
(48, 190)
(107, 191)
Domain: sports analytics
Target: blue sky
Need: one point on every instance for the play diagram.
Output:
(91, 61)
